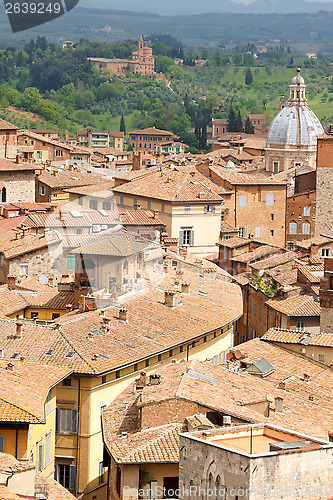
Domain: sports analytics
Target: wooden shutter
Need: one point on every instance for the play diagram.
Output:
(181, 237)
(192, 238)
(72, 477)
(2, 444)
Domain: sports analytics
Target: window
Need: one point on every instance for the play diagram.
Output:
(321, 358)
(325, 252)
(2, 260)
(186, 237)
(162, 207)
(100, 472)
(187, 210)
(66, 475)
(272, 216)
(39, 155)
(40, 457)
(306, 228)
(104, 379)
(2, 444)
(106, 205)
(135, 202)
(269, 200)
(66, 420)
(93, 204)
(300, 327)
(67, 382)
(149, 205)
(71, 262)
(254, 308)
(58, 152)
(121, 201)
(210, 209)
(34, 315)
(242, 201)
(272, 232)
(292, 227)
(241, 232)
(24, 269)
(42, 190)
(306, 211)
(48, 448)
(118, 481)
(257, 232)
(275, 167)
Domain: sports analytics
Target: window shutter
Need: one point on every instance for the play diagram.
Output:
(56, 472)
(181, 237)
(214, 209)
(269, 200)
(48, 449)
(57, 420)
(192, 238)
(72, 477)
(2, 444)
(74, 421)
(257, 232)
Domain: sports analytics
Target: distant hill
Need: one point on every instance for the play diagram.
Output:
(197, 6)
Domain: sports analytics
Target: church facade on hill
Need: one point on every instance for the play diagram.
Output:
(142, 62)
(293, 133)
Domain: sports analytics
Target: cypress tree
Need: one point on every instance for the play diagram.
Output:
(238, 123)
(231, 120)
(248, 77)
(249, 128)
(203, 134)
(122, 127)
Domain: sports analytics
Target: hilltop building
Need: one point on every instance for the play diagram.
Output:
(142, 62)
(292, 135)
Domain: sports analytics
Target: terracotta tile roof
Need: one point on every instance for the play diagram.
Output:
(235, 242)
(118, 243)
(312, 273)
(284, 274)
(7, 494)
(25, 387)
(139, 218)
(6, 125)
(12, 248)
(32, 285)
(47, 299)
(67, 179)
(294, 337)
(315, 241)
(72, 216)
(48, 140)
(240, 177)
(179, 184)
(152, 131)
(7, 224)
(135, 174)
(274, 261)
(11, 166)
(55, 491)
(102, 190)
(227, 228)
(7, 460)
(217, 388)
(239, 155)
(242, 279)
(10, 301)
(301, 305)
(257, 254)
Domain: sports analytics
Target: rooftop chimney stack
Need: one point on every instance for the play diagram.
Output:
(123, 313)
(11, 282)
(185, 287)
(18, 334)
(169, 298)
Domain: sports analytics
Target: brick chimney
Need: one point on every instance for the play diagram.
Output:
(11, 282)
(123, 313)
(142, 380)
(137, 160)
(185, 287)
(18, 333)
(169, 298)
(82, 304)
(155, 214)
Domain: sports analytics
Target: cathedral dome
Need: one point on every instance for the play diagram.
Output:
(296, 124)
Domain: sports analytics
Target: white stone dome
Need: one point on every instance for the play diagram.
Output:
(295, 125)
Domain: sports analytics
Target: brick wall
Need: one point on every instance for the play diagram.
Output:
(164, 412)
(324, 208)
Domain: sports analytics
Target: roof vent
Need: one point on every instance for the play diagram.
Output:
(278, 405)
(124, 435)
(185, 287)
(306, 377)
(10, 367)
(155, 379)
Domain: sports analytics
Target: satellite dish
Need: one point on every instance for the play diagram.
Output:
(90, 307)
(43, 279)
(229, 356)
(237, 354)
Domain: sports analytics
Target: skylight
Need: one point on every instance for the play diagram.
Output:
(104, 213)
(70, 354)
(103, 356)
(96, 332)
(15, 355)
(75, 213)
(49, 352)
(132, 347)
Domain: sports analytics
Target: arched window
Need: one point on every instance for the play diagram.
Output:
(306, 227)
(293, 227)
(3, 194)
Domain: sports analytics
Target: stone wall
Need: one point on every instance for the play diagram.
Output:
(324, 208)
(20, 185)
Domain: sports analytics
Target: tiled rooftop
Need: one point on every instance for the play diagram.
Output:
(274, 261)
(256, 254)
(315, 241)
(294, 337)
(301, 305)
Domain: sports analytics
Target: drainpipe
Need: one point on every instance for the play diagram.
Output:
(16, 441)
(78, 435)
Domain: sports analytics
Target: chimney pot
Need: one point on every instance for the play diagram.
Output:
(185, 287)
(19, 325)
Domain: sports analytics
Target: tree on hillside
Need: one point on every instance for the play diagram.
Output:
(122, 126)
(249, 128)
(203, 138)
(248, 77)
(231, 120)
(238, 123)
